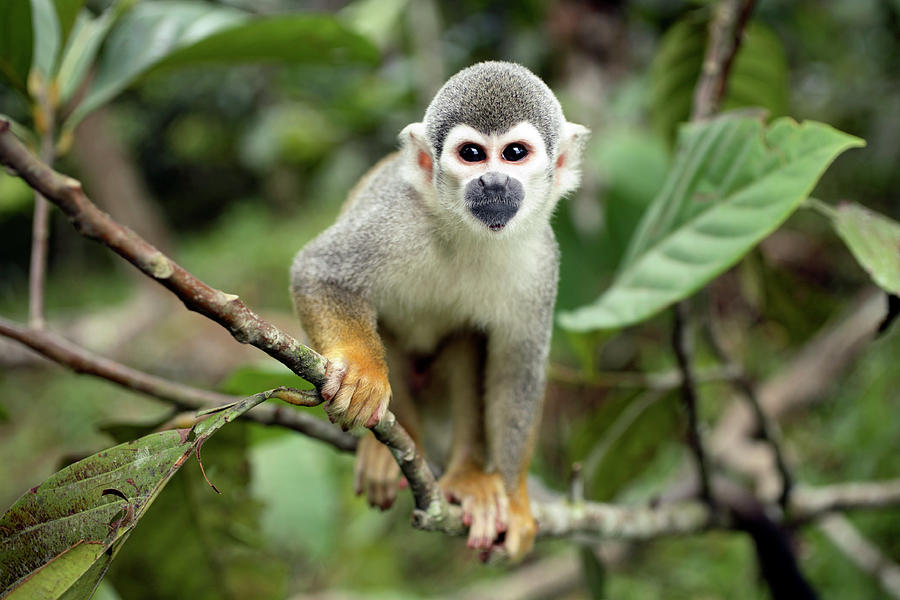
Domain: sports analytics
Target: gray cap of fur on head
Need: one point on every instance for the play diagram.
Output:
(492, 97)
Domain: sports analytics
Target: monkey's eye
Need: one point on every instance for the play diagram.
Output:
(472, 153)
(515, 152)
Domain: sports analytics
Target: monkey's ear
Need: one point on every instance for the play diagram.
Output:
(418, 159)
(568, 160)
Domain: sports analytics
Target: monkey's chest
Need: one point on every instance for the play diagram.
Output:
(424, 301)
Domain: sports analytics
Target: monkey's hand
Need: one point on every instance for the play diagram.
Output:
(356, 390)
(483, 500)
(376, 473)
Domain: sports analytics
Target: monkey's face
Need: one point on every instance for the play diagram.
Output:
(494, 183)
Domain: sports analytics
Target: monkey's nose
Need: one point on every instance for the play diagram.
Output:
(494, 182)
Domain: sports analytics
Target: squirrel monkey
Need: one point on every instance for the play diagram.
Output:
(436, 287)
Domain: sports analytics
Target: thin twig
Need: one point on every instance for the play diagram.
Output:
(768, 428)
(555, 518)
(657, 382)
(812, 502)
(179, 395)
(225, 309)
(681, 344)
(725, 32)
(863, 553)
(40, 224)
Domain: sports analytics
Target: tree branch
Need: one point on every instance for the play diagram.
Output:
(863, 553)
(225, 309)
(810, 502)
(681, 344)
(40, 224)
(768, 428)
(182, 396)
(655, 382)
(725, 32)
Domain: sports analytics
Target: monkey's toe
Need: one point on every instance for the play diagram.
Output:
(376, 473)
(483, 499)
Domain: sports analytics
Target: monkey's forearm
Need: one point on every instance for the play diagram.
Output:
(338, 322)
(342, 325)
(514, 393)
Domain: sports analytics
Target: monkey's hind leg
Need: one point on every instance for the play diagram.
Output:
(376, 473)
(481, 495)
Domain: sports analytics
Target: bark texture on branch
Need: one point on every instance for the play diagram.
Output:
(225, 309)
(179, 395)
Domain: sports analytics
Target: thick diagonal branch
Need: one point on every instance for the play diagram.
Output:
(225, 309)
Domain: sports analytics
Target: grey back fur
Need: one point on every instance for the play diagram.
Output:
(492, 97)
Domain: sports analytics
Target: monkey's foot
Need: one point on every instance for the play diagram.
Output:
(520, 532)
(376, 473)
(483, 500)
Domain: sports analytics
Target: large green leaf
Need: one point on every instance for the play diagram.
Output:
(733, 181)
(87, 34)
(161, 34)
(203, 546)
(59, 537)
(15, 43)
(874, 241)
(67, 11)
(758, 75)
(46, 38)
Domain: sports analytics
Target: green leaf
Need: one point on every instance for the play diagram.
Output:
(74, 573)
(93, 505)
(375, 19)
(594, 573)
(46, 38)
(758, 75)
(163, 34)
(317, 39)
(635, 165)
(874, 241)
(16, 45)
(733, 181)
(88, 34)
(67, 11)
(195, 544)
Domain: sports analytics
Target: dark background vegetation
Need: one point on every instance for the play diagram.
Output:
(233, 168)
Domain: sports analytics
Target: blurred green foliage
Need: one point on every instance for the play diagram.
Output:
(247, 163)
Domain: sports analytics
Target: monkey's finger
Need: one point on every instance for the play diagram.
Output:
(361, 407)
(335, 371)
(511, 544)
(481, 529)
(502, 511)
(338, 405)
(488, 525)
(379, 413)
(371, 492)
(467, 508)
(385, 472)
(359, 470)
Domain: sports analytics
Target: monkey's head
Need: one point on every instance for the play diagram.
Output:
(494, 149)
